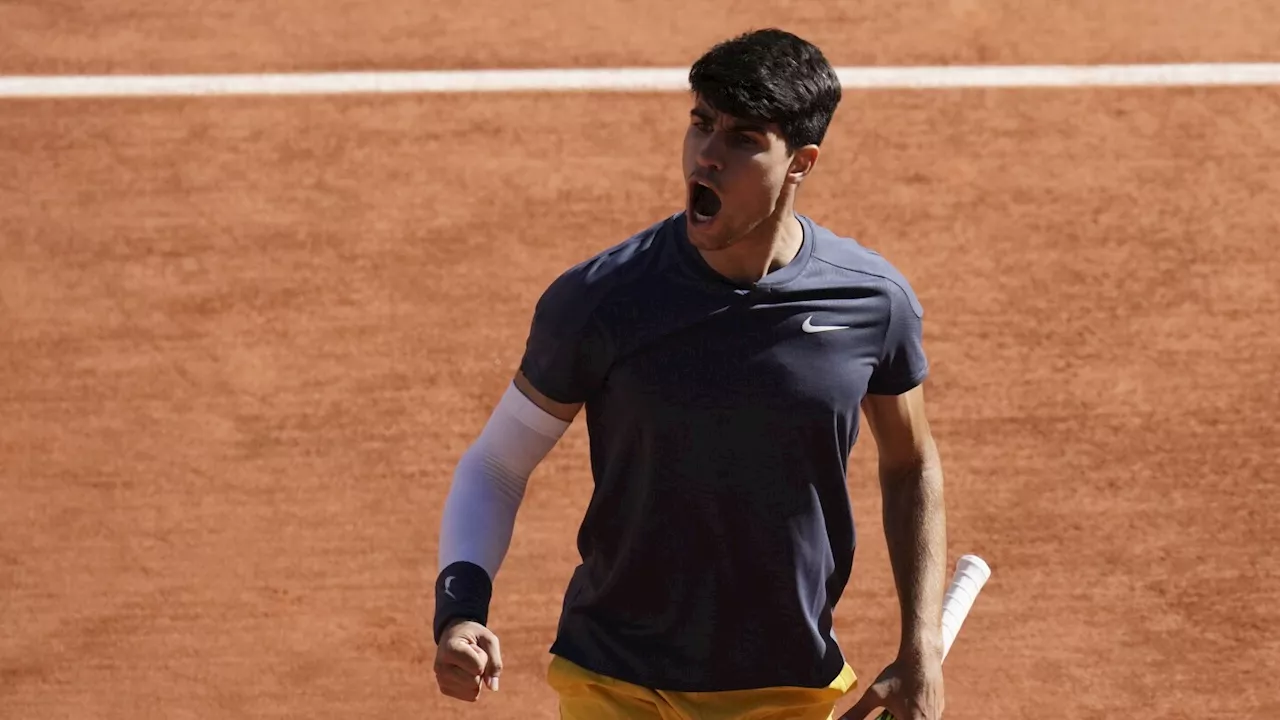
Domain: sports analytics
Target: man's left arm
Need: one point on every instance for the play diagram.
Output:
(915, 532)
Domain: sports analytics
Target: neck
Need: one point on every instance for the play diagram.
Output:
(769, 246)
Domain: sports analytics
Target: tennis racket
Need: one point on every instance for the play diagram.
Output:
(970, 575)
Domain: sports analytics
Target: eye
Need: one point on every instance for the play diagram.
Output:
(744, 140)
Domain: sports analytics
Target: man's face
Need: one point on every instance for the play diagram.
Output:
(735, 171)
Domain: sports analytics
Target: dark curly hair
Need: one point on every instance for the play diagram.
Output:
(771, 76)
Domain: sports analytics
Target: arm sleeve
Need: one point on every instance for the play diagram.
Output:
(490, 479)
(480, 511)
(903, 364)
(567, 352)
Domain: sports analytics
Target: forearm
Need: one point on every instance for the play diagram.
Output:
(480, 511)
(915, 531)
(475, 534)
(479, 514)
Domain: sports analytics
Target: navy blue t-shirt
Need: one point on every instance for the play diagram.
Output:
(719, 535)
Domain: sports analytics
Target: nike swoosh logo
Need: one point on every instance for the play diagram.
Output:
(447, 581)
(809, 327)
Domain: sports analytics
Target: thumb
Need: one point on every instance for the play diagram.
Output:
(873, 698)
(488, 642)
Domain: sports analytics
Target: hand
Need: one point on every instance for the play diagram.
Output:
(466, 658)
(910, 688)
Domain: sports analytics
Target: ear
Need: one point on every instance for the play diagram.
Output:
(803, 161)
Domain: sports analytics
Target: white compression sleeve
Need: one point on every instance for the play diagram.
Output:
(490, 479)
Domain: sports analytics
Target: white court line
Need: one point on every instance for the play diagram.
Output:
(626, 80)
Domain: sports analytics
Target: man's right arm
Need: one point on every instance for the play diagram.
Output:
(565, 360)
(476, 528)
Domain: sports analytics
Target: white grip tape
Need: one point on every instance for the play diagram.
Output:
(971, 574)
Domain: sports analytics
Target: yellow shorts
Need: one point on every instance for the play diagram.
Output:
(585, 695)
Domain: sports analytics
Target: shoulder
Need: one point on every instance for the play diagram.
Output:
(591, 281)
(859, 264)
(569, 348)
(571, 300)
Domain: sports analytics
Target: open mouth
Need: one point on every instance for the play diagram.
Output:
(704, 203)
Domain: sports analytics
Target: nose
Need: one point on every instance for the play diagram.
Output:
(710, 153)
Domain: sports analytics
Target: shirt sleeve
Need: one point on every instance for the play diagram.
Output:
(903, 364)
(566, 355)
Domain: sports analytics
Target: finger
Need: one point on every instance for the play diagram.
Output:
(458, 683)
(900, 709)
(468, 690)
(489, 644)
(871, 700)
(462, 654)
(457, 674)
(919, 711)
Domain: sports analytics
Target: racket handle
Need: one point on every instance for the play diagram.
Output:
(970, 575)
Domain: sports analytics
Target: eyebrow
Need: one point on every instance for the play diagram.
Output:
(735, 125)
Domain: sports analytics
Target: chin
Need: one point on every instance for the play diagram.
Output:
(708, 236)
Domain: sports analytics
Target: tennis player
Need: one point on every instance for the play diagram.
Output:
(722, 355)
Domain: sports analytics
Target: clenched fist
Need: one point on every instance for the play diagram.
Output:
(467, 658)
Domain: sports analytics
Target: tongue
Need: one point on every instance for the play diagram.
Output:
(706, 202)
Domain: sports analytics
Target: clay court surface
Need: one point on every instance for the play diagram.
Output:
(243, 342)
